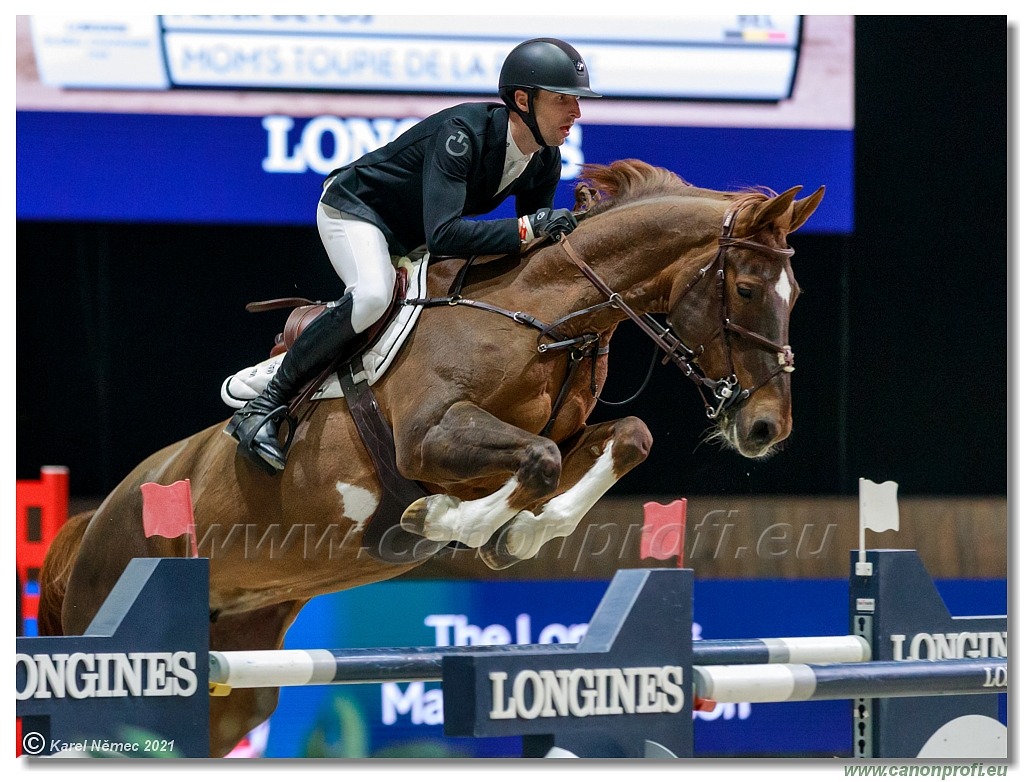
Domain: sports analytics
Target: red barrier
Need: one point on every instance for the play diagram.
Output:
(42, 511)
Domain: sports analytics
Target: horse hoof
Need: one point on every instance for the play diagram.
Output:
(496, 555)
(431, 518)
(414, 519)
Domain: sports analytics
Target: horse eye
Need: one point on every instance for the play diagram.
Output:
(745, 291)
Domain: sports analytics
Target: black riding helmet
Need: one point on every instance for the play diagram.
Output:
(546, 64)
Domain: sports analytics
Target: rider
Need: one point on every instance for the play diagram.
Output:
(462, 161)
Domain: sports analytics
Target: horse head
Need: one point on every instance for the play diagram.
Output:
(732, 316)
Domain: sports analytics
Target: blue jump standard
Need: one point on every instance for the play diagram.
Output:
(136, 682)
(891, 608)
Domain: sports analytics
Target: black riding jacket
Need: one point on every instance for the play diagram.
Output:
(418, 188)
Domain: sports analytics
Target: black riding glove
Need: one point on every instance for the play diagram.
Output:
(552, 222)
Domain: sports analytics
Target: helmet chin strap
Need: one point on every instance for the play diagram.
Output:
(528, 117)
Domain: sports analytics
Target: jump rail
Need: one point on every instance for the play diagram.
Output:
(910, 678)
(302, 667)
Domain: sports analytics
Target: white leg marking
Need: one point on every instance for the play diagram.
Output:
(562, 514)
(358, 504)
(471, 522)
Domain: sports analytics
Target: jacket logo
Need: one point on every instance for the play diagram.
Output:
(456, 144)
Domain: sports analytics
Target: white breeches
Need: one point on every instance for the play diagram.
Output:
(359, 254)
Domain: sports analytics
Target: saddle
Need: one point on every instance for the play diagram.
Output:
(305, 312)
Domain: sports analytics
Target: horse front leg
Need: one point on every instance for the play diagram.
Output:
(467, 444)
(593, 463)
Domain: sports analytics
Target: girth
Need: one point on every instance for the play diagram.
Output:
(383, 537)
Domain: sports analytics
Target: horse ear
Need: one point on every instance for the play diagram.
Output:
(805, 207)
(772, 209)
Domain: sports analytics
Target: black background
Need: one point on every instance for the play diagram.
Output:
(124, 332)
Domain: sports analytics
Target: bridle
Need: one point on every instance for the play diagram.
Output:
(720, 394)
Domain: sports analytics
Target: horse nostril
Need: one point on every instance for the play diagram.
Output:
(763, 431)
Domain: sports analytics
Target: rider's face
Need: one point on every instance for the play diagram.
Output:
(555, 114)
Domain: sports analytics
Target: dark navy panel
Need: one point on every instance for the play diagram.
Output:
(735, 158)
(209, 169)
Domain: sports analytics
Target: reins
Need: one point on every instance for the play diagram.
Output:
(718, 395)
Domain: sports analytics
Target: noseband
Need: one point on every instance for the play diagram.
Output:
(724, 393)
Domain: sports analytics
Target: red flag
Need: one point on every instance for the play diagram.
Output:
(664, 531)
(167, 511)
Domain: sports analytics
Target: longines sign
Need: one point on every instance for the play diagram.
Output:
(105, 675)
(586, 692)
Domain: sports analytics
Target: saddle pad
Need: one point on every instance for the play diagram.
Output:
(249, 383)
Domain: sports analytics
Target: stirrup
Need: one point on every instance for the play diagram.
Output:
(248, 445)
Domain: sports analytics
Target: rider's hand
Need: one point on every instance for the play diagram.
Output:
(552, 222)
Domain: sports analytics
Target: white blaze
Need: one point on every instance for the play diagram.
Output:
(783, 287)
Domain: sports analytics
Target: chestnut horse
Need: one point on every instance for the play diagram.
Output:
(488, 414)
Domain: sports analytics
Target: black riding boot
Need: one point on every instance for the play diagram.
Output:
(255, 425)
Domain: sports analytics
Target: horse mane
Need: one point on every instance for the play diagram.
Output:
(606, 186)
(603, 187)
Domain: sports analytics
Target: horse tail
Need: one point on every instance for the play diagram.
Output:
(57, 565)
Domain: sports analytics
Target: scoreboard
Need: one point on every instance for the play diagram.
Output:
(728, 58)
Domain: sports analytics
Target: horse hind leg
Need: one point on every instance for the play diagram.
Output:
(232, 716)
(56, 570)
(469, 443)
(594, 462)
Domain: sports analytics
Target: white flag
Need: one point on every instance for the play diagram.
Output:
(878, 509)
